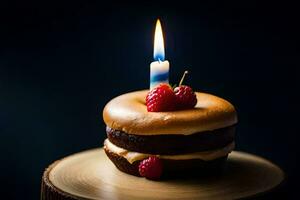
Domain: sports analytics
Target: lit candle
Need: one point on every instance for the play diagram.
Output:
(159, 69)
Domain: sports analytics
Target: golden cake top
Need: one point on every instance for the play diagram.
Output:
(128, 113)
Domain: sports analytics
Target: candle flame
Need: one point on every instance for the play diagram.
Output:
(159, 49)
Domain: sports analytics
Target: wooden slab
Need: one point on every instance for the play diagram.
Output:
(91, 175)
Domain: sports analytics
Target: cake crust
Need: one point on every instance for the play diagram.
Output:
(128, 113)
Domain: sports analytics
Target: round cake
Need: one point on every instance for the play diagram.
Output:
(197, 139)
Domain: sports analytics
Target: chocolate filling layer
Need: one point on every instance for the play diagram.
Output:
(172, 144)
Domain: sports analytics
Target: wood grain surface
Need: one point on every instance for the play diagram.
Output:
(91, 175)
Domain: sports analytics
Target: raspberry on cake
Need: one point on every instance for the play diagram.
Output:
(151, 168)
(198, 138)
(185, 97)
(161, 98)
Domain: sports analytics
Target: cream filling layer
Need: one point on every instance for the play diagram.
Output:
(132, 156)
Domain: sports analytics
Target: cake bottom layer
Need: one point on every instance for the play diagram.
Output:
(189, 165)
(172, 168)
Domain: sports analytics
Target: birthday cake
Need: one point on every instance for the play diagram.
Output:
(198, 138)
(165, 131)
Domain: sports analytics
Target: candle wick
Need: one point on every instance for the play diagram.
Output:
(159, 61)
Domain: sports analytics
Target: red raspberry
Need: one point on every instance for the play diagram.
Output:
(185, 97)
(161, 98)
(151, 168)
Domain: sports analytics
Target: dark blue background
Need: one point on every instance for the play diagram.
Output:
(61, 62)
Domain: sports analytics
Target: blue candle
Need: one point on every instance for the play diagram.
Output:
(159, 69)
